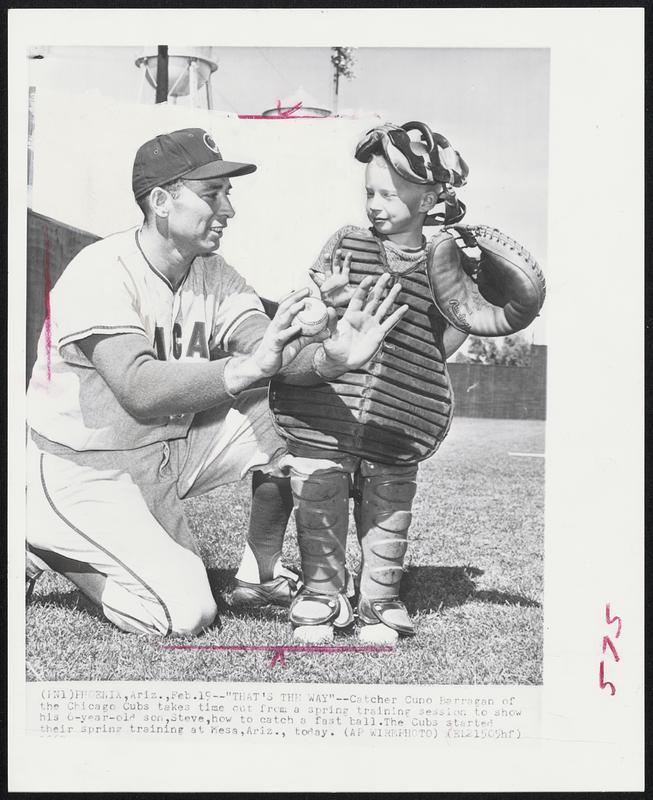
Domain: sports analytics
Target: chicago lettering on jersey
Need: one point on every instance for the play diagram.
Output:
(197, 345)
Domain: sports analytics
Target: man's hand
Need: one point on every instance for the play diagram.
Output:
(360, 332)
(280, 343)
(334, 283)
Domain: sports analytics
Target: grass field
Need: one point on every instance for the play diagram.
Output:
(473, 584)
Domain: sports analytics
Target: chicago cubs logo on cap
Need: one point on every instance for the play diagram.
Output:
(208, 141)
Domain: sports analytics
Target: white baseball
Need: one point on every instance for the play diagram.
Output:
(313, 317)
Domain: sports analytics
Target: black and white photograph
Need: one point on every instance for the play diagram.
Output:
(303, 429)
(402, 432)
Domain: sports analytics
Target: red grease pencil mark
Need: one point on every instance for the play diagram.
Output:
(47, 328)
(277, 651)
(602, 681)
(289, 113)
(283, 116)
(610, 620)
(608, 645)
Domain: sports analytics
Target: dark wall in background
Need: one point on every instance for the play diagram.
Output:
(50, 246)
(502, 392)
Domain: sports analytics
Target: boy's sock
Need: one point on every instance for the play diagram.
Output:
(271, 509)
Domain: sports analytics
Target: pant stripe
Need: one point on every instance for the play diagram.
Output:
(139, 622)
(104, 550)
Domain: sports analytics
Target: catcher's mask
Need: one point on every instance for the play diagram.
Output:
(431, 160)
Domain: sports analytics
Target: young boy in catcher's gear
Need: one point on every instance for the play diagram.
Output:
(371, 427)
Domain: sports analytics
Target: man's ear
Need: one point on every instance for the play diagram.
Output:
(160, 201)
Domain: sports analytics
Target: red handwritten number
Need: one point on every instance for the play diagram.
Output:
(603, 683)
(608, 645)
(607, 642)
(610, 620)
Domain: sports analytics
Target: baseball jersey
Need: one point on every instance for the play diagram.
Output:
(110, 288)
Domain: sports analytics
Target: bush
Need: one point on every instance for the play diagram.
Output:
(513, 351)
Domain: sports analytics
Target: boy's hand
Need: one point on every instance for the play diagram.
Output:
(334, 283)
(360, 332)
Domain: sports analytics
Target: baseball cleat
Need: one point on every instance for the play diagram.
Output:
(316, 610)
(389, 613)
(279, 591)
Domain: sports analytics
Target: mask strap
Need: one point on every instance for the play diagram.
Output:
(453, 213)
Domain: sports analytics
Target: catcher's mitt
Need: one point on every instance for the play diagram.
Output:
(496, 293)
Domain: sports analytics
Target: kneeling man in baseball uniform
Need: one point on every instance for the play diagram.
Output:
(150, 386)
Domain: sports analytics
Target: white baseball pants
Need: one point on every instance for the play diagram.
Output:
(121, 511)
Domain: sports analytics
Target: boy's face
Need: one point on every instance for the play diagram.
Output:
(394, 205)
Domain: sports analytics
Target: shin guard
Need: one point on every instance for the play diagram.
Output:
(322, 519)
(383, 519)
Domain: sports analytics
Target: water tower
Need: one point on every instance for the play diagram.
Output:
(189, 72)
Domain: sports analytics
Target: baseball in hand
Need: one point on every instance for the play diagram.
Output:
(313, 317)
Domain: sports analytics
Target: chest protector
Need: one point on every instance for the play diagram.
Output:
(395, 410)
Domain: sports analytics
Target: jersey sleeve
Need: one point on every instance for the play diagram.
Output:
(95, 295)
(247, 335)
(235, 302)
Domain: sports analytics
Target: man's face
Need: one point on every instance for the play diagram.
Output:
(199, 214)
(393, 204)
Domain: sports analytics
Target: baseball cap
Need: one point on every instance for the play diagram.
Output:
(188, 153)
